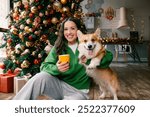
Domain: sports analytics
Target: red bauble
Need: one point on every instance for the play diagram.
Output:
(36, 0)
(31, 15)
(36, 61)
(9, 40)
(2, 66)
(9, 71)
(30, 37)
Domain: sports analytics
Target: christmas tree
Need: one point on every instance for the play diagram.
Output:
(33, 30)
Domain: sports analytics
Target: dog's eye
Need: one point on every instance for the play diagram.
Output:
(85, 41)
(92, 40)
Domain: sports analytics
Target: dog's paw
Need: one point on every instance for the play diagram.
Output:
(91, 66)
(102, 96)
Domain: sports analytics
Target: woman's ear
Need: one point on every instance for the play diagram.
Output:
(79, 34)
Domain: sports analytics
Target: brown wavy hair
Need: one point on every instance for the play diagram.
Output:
(60, 42)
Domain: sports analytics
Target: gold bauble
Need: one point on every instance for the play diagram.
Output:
(65, 9)
(21, 36)
(28, 21)
(54, 20)
(23, 14)
(34, 53)
(63, 1)
(25, 64)
(57, 5)
(15, 14)
(14, 31)
(45, 22)
(26, 28)
(22, 26)
(29, 44)
(34, 9)
(44, 37)
(37, 32)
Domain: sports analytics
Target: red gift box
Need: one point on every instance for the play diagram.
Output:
(6, 83)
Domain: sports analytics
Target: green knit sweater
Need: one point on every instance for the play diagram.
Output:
(76, 75)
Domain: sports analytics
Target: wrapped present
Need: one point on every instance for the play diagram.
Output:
(6, 82)
(19, 82)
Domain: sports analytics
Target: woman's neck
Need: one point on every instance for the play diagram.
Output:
(72, 43)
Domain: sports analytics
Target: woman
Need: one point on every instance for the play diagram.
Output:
(62, 80)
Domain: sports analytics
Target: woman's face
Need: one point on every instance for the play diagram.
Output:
(70, 32)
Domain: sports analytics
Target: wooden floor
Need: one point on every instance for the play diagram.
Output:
(134, 81)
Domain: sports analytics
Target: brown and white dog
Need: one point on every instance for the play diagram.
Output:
(90, 46)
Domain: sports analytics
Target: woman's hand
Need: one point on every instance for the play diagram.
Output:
(62, 67)
(83, 59)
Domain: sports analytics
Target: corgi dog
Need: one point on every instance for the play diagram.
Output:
(91, 47)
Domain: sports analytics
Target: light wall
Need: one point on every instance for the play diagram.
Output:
(139, 8)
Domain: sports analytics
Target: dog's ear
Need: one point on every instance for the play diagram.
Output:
(79, 34)
(98, 32)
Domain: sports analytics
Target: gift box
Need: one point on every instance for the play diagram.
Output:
(19, 82)
(7, 82)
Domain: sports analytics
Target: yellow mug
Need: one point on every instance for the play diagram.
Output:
(64, 58)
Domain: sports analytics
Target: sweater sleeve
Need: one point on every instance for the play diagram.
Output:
(106, 61)
(49, 64)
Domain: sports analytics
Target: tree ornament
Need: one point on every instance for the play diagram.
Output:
(27, 51)
(21, 36)
(14, 31)
(22, 26)
(2, 66)
(46, 13)
(45, 22)
(37, 32)
(13, 57)
(65, 9)
(34, 53)
(19, 3)
(39, 7)
(18, 49)
(57, 5)
(9, 41)
(31, 1)
(44, 38)
(29, 44)
(54, 20)
(9, 71)
(26, 29)
(31, 30)
(28, 21)
(41, 14)
(36, 0)
(15, 14)
(39, 55)
(34, 9)
(63, 1)
(23, 14)
(31, 15)
(26, 6)
(30, 37)
(73, 6)
(48, 48)
(36, 61)
(36, 22)
(25, 64)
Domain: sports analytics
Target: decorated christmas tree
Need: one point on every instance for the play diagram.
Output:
(33, 30)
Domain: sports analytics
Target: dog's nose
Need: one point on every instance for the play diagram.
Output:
(89, 46)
